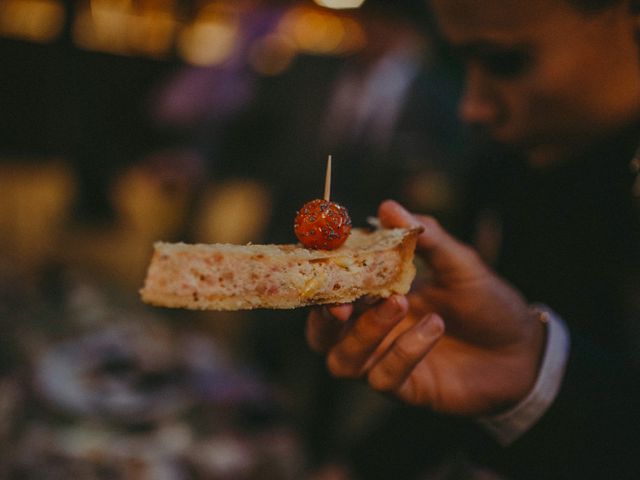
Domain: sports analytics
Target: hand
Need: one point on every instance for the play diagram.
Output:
(465, 342)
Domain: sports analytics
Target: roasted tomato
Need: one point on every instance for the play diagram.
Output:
(321, 224)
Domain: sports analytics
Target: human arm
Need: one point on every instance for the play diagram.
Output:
(484, 362)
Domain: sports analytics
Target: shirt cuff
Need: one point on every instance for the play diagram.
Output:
(508, 426)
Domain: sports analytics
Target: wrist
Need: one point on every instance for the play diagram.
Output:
(523, 358)
(513, 422)
(536, 347)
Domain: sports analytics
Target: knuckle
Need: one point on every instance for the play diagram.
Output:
(429, 223)
(472, 255)
(381, 379)
(363, 337)
(406, 350)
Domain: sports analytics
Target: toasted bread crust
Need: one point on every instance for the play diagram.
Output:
(233, 277)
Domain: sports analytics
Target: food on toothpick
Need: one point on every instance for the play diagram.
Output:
(321, 223)
(334, 265)
(376, 263)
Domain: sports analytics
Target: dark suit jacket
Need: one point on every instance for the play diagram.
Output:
(592, 429)
(570, 239)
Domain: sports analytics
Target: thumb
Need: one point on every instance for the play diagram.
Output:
(435, 245)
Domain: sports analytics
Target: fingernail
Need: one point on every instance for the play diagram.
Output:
(401, 209)
(324, 313)
(409, 218)
(431, 326)
(391, 306)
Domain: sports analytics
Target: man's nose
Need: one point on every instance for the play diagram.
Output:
(477, 105)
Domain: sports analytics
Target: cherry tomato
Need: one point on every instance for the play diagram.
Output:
(322, 224)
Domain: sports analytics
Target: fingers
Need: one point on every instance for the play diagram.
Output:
(325, 324)
(323, 327)
(341, 312)
(391, 373)
(441, 250)
(352, 353)
(392, 214)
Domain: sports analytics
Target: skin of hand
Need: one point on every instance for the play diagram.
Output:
(464, 342)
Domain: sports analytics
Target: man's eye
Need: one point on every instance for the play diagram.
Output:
(507, 64)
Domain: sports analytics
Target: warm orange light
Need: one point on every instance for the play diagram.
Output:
(212, 35)
(126, 28)
(319, 31)
(272, 54)
(339, 4)
(153, 33)
(38, 21)
(103, 27)
(207, 42)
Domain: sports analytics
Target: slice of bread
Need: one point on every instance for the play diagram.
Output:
(236, 277)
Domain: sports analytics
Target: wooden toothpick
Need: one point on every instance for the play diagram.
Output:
(327, 181)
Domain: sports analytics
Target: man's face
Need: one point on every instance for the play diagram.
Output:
(542, 76)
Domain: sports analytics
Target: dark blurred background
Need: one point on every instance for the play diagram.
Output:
(124, 122)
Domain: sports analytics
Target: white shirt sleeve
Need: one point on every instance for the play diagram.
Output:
(506, 427)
